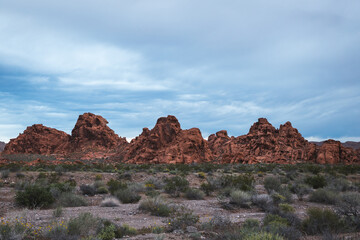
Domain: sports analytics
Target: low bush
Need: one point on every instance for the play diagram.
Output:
(272, 184)
(5, 173)
(115, 185)
(243, 182)
(175, 185)
(125, 230)
(321, 221)
(349, 208)
(194, 194)
(182, 219)
(240, 198)
(154, 183)
(127, 196)
(207, 188)
(69, 199)
(110, 202)
(300, 189)
(263, 236)
(84, 225)
(316, 182)
(34, 196)
(58, 212)
(156, 207)
(89, 190)
(107, 233)
(286, 208)
(263, 201)
(324, 196)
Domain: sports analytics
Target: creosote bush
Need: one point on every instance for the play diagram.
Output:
(316, 182)
(34, 196)
(127, 196)
(89, 190)
(240, 198)
(272, 184)
(156, 206)
(194, 194)
(321, 221)
(175, 185)
(324, 196)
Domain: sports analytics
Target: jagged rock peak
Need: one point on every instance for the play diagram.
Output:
(222, 134)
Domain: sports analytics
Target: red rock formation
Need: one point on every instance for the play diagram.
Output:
(38, 139)
(332, 152)
(2, 146)
(167, 143)
(263, 143)
(92, 133)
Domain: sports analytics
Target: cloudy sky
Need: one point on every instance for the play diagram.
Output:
(213, 64)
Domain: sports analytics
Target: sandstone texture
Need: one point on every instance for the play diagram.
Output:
(167, 143)
(91, 138)
(38, 139)
(349, 144)
(2, 146)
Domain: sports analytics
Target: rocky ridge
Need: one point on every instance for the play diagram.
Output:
(2, 146)
(168, 143)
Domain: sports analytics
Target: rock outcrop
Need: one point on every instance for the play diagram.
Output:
(263, 143)
(2, 146)
(38, 139)
(332, 152)
(167, 143)
(90, 136)
(92, 133)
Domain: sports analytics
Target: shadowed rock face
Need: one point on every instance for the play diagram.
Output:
(264, 143)
(92, 133)
(38, 139)
(167, 143)
(2, 146)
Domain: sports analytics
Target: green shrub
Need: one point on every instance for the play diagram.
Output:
(251, 223)
(58, 212)
(125, 230)
(324, 196)
(84, 225)
(287, 208)
(243, 182)
(272, 218)
(300, 189)
(263, 236)
(349, 208)
(34, 196)
(89, 190)
(175, 185)
(240, 198)
(207, 188)
(127, 196)
(156, 207)
(107, 233)
(320, 221)
(5, 173)
(272, 184)
(69, 199)
(115, 185)
(182, 219)
(316, 182)
(154, 183)
(194, 194)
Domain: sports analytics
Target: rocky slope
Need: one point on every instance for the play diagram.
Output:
(2, 146)
(167, 143)
(349, 144)
(90, 135)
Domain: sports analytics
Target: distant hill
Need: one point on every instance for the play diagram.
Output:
(2, 146)
(350, 144)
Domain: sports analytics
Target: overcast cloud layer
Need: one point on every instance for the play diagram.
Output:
(213, 64)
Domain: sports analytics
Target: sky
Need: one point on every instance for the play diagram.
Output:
(213, 64)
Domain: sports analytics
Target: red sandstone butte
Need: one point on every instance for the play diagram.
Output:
(332, 152)
(167, 143)
(38, 139)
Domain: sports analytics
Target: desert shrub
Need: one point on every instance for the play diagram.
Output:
(69, 199)
(127, 196)
(5, 173)
(125, 230)
(277, 198)
(107, 233)
(156, 207)
(349, 207)
(262, 201)
(58, 212)
(300, 189)
(272, 218)
(243, 182)
(316, 182)
(57, 189)
(175, 185)
(182, 219)
(340, 185)
(20, 175)
(89, 190)
(272, 184)
(155, 183)
(59, 232)
(324, 196)
(252, 224)
(194, 194)
(125, 176)
(207, 188)
(240, 198)
(320, 221)
(110, 202)
(84, 225)
(115, 185)
(102, 190)
(216, 223)
(287, 208)
(34, 196)
(263, 236)
(136, 187)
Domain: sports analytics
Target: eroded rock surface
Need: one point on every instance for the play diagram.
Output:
(2, 146)
(167, 143)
